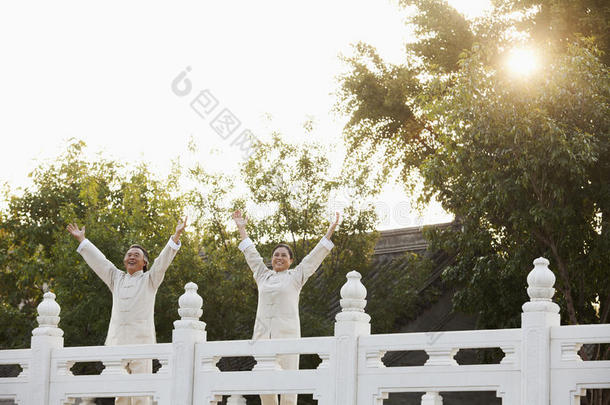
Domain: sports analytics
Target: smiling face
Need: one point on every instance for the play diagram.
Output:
(281, 260)
(134, 260)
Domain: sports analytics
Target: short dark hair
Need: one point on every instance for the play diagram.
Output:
(283, 245)
(145, 255)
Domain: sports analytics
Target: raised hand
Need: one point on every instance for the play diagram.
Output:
(179, 229)
(79, 234)
(331, 228)
(241, 222)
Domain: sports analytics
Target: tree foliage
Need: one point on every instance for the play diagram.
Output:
(544, 181)
(287, 190)
(521, 162)
(118, 208)
(562, 22)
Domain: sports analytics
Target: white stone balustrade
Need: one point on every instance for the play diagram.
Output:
(266, 376)
(541, 365)
(188, 332)
(48, 317)
(190, 309)
(353, 294)
(431, 398)
(236, 400)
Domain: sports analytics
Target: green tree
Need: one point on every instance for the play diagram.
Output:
(529, 175)
(119, 206)
(522, 165)
(562, 22)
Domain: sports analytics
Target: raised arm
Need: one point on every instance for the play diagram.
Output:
(241, 222)
(253, 258)
(331, 228)
(179, 229)
(92, 255)
(165, 258)
(79, 234)
(312, 261)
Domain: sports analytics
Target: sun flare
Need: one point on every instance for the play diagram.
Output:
(522, 61)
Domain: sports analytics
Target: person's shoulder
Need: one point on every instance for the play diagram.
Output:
(267, 272)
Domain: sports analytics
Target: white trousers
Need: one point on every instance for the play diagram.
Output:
(287, 362)
(136, 367)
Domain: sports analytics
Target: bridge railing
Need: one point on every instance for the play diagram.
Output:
(540, 364)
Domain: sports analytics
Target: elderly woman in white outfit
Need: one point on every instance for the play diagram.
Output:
(277, 314)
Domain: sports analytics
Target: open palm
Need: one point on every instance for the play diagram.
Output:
(79, 234)
(240, 220)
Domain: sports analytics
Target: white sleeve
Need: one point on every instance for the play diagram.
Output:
(254, 259)
(98, 262)
(162, 262)
(244, 244)
(313, 260)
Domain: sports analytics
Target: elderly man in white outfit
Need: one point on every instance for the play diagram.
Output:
(133, 296)
(277, 313)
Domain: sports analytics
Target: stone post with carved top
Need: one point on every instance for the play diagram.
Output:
(539, 315)
(350, 323)
(45, 338)
(188, 331)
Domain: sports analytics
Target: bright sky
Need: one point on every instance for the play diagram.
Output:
(102, 72)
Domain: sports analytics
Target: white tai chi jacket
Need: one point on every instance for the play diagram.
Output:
(277, 314)
(133, 296)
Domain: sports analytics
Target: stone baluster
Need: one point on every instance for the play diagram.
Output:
(188, 331)
(45, 338)
(114, 367)
(352, 320)
(350, 323)
(539, 315)
(266, 362)
(236, 400)
(431, 398)
(441, 356)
